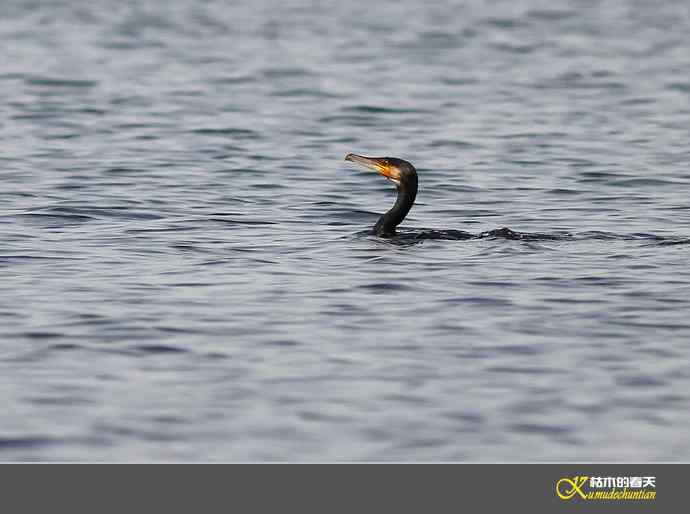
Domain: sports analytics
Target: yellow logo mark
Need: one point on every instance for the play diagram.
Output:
(566, 488)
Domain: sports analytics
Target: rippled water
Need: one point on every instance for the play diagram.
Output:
(184, 273)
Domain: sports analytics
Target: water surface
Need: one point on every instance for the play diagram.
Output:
(183, 274)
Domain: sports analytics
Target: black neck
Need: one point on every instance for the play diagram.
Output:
(407, 192)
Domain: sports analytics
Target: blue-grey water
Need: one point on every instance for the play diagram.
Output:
(183, 270)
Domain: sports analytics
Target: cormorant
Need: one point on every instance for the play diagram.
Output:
(404, 175)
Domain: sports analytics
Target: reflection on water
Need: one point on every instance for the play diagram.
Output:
(187, 272)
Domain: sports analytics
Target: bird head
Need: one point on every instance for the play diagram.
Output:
(398, 171)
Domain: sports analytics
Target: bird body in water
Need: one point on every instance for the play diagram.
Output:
(404, 175)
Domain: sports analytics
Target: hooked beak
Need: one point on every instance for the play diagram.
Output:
(378, 164)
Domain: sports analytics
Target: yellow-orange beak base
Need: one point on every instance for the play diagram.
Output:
(379, 164)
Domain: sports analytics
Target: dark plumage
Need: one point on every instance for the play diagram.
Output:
(404, 175)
